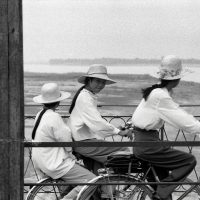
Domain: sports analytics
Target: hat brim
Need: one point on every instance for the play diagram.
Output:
(109, 81)
(41, 100)
(184, 72)
(169, 77)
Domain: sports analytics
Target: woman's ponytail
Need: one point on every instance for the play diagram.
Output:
(146, 92)
(74, 99)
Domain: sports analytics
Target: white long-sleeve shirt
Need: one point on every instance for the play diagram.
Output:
(53, 161)
(85, 120)
(160, 108)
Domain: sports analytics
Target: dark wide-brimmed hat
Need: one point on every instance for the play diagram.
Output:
(96, 71)
(50, 93)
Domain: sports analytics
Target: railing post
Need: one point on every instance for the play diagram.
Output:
(11, 101)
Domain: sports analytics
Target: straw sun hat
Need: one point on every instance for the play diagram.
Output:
(50, 93)
(97, 71)
(171, 68)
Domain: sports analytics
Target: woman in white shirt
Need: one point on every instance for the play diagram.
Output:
(86, 121)
(56, 162)
(157, 107)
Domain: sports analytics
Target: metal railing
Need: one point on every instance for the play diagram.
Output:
(188, 143)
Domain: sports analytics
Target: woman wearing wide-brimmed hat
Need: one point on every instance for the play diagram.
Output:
(86, 121)
(157, 107)
(56, 162)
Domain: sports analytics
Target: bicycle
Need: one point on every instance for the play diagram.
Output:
(125, 172)
(128, 174)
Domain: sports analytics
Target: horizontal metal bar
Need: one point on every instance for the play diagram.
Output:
(104, 116)
(121, 183)
(117, 105)
(111, 144)
(114, 116)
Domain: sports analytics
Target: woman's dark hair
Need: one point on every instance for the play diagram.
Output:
(50, 105)
(146, 91)
(76, 95)
(74, 99)
(45, 108)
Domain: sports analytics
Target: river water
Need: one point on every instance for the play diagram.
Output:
(193, 75)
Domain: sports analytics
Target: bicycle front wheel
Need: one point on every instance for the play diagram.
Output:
(187, 192)
(47, 192)
(124, 188)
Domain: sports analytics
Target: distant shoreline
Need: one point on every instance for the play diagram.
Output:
(114, 61)
(108, 61)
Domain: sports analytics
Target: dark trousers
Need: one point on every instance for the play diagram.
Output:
(99, 154)
(171, 165)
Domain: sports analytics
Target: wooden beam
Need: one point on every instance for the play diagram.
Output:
(11, 101)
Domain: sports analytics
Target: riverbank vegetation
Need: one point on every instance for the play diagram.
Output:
(127, 90)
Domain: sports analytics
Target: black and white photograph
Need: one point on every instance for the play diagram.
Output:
(100, 99)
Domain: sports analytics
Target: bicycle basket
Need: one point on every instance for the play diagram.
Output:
(123, 164)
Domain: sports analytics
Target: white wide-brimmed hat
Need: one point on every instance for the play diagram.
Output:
(170, 68)
(97, 71)
(50, 93)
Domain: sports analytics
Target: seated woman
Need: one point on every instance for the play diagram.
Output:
(56, 162)
(86, 121)
(157, 107)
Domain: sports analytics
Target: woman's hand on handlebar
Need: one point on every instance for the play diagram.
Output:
(127, 133)
(126, 130)
(128, 125)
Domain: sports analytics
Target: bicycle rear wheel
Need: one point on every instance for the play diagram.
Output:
(122, 190)
(47, 192)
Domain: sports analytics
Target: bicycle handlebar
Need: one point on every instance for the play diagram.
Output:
(128, 125)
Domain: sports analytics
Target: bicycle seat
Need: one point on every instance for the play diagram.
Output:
(123, 163)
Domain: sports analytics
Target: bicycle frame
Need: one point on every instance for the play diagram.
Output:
(151, 168)
(192, 187)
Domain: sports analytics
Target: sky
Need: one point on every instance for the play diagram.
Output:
(110, 28)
